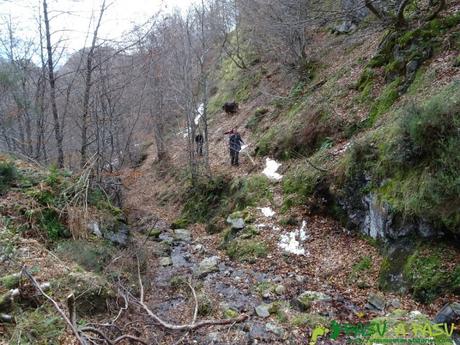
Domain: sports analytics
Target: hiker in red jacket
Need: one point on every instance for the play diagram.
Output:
(234, 144)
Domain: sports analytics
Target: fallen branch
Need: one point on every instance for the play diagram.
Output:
(75, 331)
(185, 327)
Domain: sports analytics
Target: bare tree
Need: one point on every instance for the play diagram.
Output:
(52, 82)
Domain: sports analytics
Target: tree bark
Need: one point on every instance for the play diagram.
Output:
(52, 81)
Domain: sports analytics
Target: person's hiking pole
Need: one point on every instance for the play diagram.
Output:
(243, 149)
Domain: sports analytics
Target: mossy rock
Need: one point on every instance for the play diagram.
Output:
(154, 234)
(180, 223)
(91, 292)
(246, 250)
(10, 281)
(230, 314)
(205, 306)
(309, 320)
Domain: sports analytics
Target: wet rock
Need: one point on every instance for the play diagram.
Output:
(275, 329)
(263, 310)
(119, 235)
(180, 257)
(258, 331)
(450, 313)
(425, 230)
(182, 235)
(207, 266)
(166, 261)
(306, 298)
(375, 302)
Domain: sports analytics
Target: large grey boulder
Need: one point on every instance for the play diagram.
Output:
(182, 235)
(207, 266)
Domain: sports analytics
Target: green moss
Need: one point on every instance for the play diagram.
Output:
(10, 281)
(309, 320)
(264, 144)
(429, 273)
(246, 250)
(364, 264)
(383, 103)
(8, 174)
(92, 255)
(40, 326)
(205, 306)
(250, 191)
(255, 119)
(300, 183)
(230, 314)
(180, 223)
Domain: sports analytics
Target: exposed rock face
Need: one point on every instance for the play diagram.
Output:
(374, 218)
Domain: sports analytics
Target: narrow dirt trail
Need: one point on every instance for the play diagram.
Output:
(305, 254)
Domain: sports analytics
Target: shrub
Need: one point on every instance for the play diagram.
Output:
(8, 174)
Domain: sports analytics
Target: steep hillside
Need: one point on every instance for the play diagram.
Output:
(366, 211)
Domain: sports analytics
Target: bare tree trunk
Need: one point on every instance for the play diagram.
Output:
(88, 75)
(52, 82)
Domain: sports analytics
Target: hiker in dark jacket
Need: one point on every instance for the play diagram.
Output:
(199, 140)
(234, 143)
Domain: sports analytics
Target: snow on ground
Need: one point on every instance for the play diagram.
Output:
(200, 113)
(271, 167)
(292, 242)
(266, 211)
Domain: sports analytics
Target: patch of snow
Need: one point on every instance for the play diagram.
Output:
(292, 242)
(200, 113)
(302, 233)
(271, 166)
(261, 225)
(267, 211)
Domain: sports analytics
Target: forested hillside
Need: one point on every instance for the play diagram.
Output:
(237, 172)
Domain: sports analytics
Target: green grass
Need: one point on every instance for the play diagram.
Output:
(40, 326)
(246, 250)
(413, 161)
(429, 274)
(91, 255)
